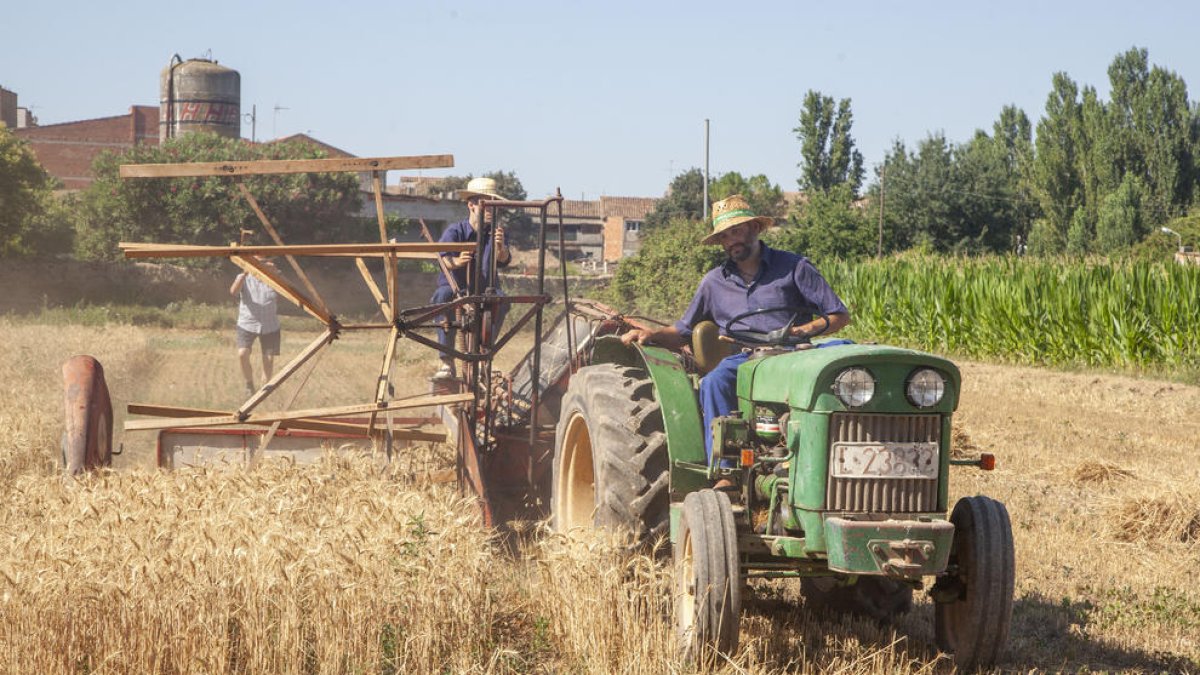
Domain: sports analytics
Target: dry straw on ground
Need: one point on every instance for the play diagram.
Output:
(1167, 518)
(1100, 472)
(343, 567)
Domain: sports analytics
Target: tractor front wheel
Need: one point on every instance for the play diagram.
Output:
(610, 454)
(973, 625)
(708, 588)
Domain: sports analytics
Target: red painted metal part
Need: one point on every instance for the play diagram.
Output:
(469, 473)
(87, 440)
(258, 432)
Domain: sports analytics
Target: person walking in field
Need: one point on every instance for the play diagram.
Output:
(257, 319)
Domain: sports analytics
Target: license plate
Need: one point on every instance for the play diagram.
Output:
(885, 460)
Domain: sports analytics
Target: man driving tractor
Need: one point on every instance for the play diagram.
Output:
(784, 287)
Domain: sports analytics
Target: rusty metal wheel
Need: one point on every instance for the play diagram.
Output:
(708, 587)
(87, 438)
(972, 622)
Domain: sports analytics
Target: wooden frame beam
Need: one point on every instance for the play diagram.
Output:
(441, 260)
(330, 427)
(262, 218)
(268, 166)
(284, 373)
(268, 418)
(374, 288)
(254, 266)
(413, 250)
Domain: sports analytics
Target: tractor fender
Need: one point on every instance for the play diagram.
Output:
(675, 390)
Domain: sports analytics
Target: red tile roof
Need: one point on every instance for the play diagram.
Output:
(330, 151)
(630, 208)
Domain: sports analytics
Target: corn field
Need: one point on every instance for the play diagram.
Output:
(1082, 313)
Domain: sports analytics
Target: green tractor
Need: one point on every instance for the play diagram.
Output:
(834, 469)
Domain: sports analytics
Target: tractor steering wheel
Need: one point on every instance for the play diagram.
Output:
(779, 337)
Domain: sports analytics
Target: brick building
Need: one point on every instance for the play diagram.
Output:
(8, 108)
(602, 231)
(66, 150)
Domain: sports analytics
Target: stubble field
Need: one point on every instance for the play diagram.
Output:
(347, 568)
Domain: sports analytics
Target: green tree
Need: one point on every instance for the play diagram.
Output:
(764, 197)
(966, 198)
(827, 153)
(1156, 133)
(1120, 224)
(684, 200)
(1080, 235)
(304, 208)
(919, 206)
(832, 224)
(1055, 176)
(1012, 135)
(26, 198)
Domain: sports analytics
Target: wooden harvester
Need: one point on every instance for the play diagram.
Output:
(501, 424)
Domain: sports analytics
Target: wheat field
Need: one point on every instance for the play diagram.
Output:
(347, 567)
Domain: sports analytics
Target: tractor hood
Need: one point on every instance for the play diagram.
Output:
(804, 379)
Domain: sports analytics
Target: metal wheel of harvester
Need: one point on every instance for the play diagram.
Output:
(878, 598)
(87, 438)
(974, 624)
(708, 588)
(610, 455)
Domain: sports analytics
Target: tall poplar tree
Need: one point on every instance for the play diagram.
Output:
(1055, 178)
(827, 153)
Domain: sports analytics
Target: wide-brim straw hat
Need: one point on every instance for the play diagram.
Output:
(731, 212)
(481, 187)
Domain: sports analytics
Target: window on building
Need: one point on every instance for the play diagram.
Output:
(633, 226)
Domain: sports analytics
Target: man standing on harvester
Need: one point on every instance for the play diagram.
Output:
(754, 277)
(479, 220)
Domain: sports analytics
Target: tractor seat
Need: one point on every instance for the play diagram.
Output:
(707, 348)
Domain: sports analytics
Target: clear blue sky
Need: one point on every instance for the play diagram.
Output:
(595, 98)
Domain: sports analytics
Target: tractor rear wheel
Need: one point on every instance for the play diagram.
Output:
(974, 625)
(87, 438)
(610, 454)
(878, 598)
(708, 587)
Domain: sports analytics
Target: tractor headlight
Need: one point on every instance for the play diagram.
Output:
(854, 387)
(925, 388)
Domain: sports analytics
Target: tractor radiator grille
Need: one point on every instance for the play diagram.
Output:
(882, 495)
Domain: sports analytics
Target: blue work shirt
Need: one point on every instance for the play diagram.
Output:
(463, 232)
(784, 280)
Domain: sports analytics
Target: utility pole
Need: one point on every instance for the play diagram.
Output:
(879, 249)
(706, 168)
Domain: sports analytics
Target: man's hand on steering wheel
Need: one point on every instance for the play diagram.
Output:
(788, 335)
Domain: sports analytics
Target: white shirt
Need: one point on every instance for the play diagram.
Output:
(256, 307)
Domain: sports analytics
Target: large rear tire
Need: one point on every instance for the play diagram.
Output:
(974, 625)
(708, 587)
(610, 455)
(87, 438)
(878, 598)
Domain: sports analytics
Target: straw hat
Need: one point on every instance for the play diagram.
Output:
(731, 212)
(480, 187)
